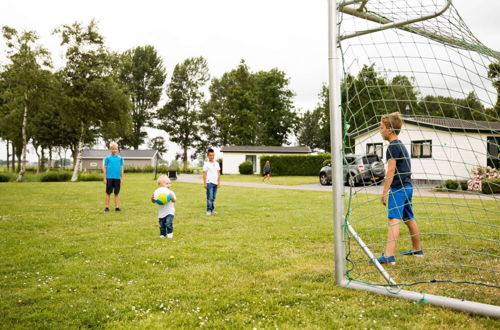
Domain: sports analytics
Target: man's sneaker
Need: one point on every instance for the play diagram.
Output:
(385, 260)
(106, 209)
(171, 235)
(117, 209)
(214, 212)
(162, 236)
(208, 213)
(416, 253)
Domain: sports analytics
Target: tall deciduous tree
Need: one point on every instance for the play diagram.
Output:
(143, 74)
(313, 129)
(25, 76)
(248, 108)
(181, 115)
(94, 97)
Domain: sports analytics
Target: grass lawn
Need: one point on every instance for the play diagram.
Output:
(265, 261)
(279, 180)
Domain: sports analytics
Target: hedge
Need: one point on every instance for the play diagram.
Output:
(491, 186)
(55, 176)
(6, 177)
(295, 165)
(90, 177)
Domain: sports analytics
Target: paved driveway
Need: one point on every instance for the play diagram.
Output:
(418, 190)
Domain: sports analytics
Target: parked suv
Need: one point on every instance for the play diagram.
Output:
(358, 169)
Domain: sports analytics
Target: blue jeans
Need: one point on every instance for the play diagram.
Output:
(211, 193)
(166, 225)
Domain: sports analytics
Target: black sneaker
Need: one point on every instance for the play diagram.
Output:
(117, 209)
(106, 209)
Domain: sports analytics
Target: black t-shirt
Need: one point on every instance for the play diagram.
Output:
(402, 176)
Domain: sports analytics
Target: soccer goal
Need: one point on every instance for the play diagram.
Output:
(418, 58)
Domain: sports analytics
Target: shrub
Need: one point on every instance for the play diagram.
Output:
(463, 185)
(53, 176)
(295, 165)
(451, 185)
(246, 167)
(90, 177)
(132, 169)
(6, 177)
(491, 186)
(326, 162)
(163, 169)
(148, 169)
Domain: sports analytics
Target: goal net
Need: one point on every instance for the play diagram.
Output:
(420, 59)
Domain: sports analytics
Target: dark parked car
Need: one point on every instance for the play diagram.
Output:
(358, 169)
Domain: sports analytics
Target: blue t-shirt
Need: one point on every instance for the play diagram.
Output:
(402, 175)
(113, 164)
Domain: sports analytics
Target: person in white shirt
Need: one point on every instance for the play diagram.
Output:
(165, 198)
(211, 180)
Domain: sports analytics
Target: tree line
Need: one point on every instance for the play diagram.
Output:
(103, 95)
(99, 94)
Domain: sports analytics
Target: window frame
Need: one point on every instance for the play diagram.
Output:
(381, 156)
(421, 143)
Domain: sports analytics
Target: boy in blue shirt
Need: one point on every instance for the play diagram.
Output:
(113, 175)
(398, 190)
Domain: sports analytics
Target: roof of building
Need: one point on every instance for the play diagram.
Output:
(445, 124)
(126, 154)
(268, 149)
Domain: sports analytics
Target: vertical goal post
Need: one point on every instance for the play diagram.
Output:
(412, 21)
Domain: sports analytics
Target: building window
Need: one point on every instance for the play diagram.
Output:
(493, 154)
(93, 164)
(253, 159)
(375, 148)
(421, 149)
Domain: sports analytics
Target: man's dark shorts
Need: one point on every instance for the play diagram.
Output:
(112, 184)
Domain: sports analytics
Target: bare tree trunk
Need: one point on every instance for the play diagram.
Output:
(76, 166)
(8, 167)
(49, 163)
(37, 156)
(22, 171)
(59, 149)
(13, 165)
(42, 159)
(185, 158)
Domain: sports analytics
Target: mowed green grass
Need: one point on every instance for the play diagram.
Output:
(265, 261)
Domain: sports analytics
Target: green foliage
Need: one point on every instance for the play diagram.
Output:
(142, 72)
(181, 117)
(55, 176)
(247, 108)
(313, 129)
(246, 167)
(163, 169)
(148, 169)
(6, 177)
(90, 177)
(491, 186)
(295, 165)
(451, 184)
(139, 169)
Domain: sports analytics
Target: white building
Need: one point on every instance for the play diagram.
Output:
(233, 156)
(440, 148)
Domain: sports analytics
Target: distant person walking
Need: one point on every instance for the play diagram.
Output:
(211, 180)
(267, 171)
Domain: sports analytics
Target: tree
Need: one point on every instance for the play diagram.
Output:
(276, 115)
(94, 98)
(494, 74)
(248, 108)
(25, 77)
(159, 144)
(313, 129)
(230, 114)
(181, 117)
(143, 74)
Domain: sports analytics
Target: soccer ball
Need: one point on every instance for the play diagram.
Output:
(163, 199)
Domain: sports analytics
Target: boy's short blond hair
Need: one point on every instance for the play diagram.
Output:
(113, 144)
(163, 178)
(393, 121)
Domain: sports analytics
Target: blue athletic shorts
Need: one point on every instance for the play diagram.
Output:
(400, 204)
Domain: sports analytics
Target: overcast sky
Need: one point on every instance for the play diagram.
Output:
(288, 34)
